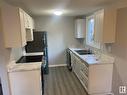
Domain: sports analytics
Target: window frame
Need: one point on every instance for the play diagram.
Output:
(93, 43)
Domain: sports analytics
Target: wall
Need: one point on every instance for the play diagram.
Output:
(4, 60)
(60, 36)
(16, 53)
(119, 49)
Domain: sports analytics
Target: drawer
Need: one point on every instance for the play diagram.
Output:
(84, 69)
(84, 80)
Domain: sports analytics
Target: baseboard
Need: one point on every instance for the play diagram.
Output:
(58, 65)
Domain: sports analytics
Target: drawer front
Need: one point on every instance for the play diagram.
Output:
(84, 69)
(84, 80)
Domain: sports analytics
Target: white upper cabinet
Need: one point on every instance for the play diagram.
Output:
(105, 25)
(101, 27)
(80, 28)
(29, 22)
(29, 25)
(23, 32)
(13, 26)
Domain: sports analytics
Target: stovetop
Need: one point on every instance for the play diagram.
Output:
(28, 59)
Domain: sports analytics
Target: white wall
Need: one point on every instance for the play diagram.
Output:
(119, 49)
(4, 60)
(60, 36)
(16, 53)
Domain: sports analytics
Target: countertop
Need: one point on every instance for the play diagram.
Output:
(93, 59)
(13, 67)
(16, 67)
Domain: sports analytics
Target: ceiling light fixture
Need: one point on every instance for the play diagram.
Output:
(58, 13)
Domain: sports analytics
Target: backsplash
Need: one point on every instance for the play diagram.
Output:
(105, 49)
(16, 53)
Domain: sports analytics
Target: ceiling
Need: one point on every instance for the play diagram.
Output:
(69, 7)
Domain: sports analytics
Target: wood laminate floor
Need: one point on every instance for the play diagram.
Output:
(60, 81)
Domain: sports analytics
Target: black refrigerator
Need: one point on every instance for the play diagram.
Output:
(39, 44)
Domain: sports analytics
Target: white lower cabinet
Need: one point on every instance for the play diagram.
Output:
(80, 69)
(100, 79)
(96, 79)
(25, 82)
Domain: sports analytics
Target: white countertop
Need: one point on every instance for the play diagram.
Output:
(92, 59)
(13, 67)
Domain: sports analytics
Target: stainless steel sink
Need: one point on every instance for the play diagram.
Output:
(83, 52)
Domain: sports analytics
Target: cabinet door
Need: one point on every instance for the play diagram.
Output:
(78, 66)
(25, 20)
(84, 74)
(23, 31)
(33, 25)
(109, 26)
(105, 25)
(31, 22)
(80, 28)
(84, 81)
(84, 69)
(98, 16)
(100, 78)
(25, 83)
(13, 26)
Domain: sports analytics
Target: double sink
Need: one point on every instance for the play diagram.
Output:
(92, 58)
(83, 52)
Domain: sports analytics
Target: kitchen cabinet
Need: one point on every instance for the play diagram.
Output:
(13, 24)
(105, 25)
(29, 22)
(29, 25)
(100, 79)
(13, 28)
(25, 82)
(80, 69)
(96, 78)
(80, 28)
(101, 27)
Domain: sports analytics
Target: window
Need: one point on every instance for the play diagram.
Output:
(90, 32)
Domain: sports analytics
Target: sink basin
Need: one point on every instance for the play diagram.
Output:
(83, 52)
